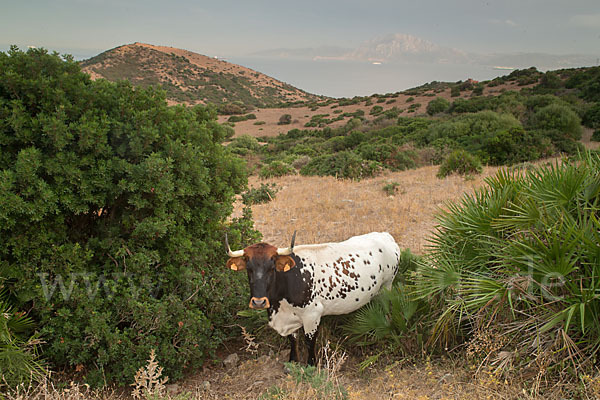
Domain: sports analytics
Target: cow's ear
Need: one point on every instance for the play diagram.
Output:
(236, 263)
(284, 263)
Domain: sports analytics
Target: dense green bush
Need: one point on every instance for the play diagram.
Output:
(259, 195)
(557, 117)
(437, 105)
(459, 162)
(392, 156)
(591, 118)
(376, 110)
(343, 164)
(518, 260)
(285, 119)
(244, 144)
(596, 136)
(113, 208)
(275, 169)
(240, 118)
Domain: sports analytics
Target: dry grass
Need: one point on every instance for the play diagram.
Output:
(325, 209)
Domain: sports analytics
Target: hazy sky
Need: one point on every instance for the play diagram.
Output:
(235, 28)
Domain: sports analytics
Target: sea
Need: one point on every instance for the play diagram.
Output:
(341, 78)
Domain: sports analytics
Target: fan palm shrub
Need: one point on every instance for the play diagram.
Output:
(394, 319)
(519, 261)
(18, 350)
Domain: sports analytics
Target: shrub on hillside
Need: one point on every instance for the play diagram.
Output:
(459, 162)
(596, 136)
(437, 105)
(240, 118)
(231, 109)
(244, 144)
(275, 169)
(591, 117)
(259, 195)
(392, 156)
(344, 164)
(376, 110)
(557, 117)
(518, 260)
(113, 208)
(285, 119)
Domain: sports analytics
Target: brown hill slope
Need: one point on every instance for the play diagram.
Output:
(189, 77)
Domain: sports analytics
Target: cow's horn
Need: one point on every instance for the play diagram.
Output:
(288, 251)
(232, 254)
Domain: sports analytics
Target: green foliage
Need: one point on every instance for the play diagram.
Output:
(18, 347)
(260, 195)
(520, 258)
(437, 105)
(113, 208)
(596, 136)
(376, 110)
(275, 169)
(240, 118)
(557, 117)
(455, 91)
(285, 119)
(343, 164)
(459, 162)
(395, 318)
(389, 155)
(231, 109)
(591, 118)
(244, 144)
(390, 188)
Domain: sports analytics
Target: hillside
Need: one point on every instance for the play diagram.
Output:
(189, 77)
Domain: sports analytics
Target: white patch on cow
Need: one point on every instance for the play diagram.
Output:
(285, 320)
(340, 272)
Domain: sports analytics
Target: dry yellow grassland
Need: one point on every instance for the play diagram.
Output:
(325, 209)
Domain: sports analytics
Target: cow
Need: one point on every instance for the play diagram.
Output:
(299, 285)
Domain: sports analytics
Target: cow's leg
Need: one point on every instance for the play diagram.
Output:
(310, 322)
(311, 340)
(294, 351)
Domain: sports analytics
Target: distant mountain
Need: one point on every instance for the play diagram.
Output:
(189, 77)
(403, 49)
(406, 48)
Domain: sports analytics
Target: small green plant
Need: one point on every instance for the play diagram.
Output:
(460, 162)
(391, 188)
(410, 99)
(262, 194)
(259, 123)
(376, 110)
(285, 119)
(596, 136)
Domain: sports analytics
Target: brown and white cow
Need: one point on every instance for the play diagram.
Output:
(298, 285)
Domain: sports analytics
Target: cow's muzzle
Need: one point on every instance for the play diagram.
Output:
(259, 303)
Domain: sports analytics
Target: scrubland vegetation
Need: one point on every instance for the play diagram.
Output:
(113, 207)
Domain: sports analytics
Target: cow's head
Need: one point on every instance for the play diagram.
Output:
(261, 261)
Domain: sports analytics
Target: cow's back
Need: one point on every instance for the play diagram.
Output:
(346, 275)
